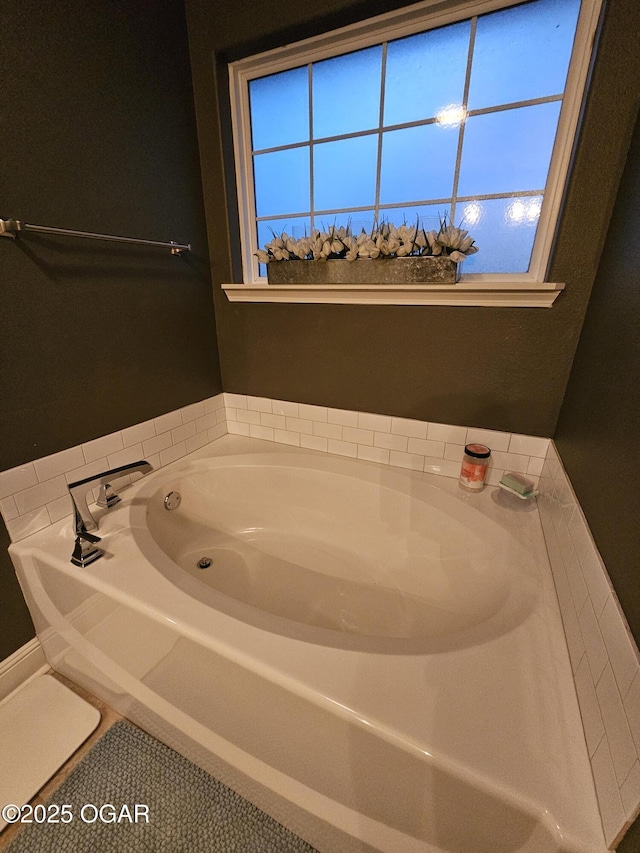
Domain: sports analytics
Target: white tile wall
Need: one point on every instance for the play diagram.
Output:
(35, 495)
(403, 442)
(604, 656)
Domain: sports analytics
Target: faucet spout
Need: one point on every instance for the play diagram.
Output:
(82, 518)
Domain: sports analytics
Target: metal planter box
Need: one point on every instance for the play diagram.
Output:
(419, 270)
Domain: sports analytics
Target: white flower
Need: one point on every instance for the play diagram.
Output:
(434, 245)
(316, 247)
(405, 234)
(458, 240)
(351, 245)
(300, 249)
(421, 240)
(368, 249)
(451, 236)
(457, 256)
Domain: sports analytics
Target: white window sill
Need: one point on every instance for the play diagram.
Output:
(521, 294)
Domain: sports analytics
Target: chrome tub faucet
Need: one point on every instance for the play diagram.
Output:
(86, 550)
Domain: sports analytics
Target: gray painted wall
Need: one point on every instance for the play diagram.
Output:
(599, 426)
(98, 135)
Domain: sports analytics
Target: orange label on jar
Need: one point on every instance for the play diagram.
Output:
(473, 473)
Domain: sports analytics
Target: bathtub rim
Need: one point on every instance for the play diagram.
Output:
(521, 592)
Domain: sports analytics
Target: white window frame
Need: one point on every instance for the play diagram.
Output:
(526, 289)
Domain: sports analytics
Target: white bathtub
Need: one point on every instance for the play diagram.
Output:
(373, 656)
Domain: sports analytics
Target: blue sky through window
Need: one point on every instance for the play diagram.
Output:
(425, 73)
(280, 108)
(417, 162)
(508, 151)
(532, 62)
(438, 122)
(340, 108)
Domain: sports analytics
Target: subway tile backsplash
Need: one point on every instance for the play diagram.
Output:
(402, 442)
(603, 654)
(34, 495)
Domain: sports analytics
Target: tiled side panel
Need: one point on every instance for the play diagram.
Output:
(34, 495)
(604, 657)
(432, 447)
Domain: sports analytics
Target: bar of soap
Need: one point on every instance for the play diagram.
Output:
(518, 483)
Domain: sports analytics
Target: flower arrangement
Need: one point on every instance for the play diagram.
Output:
(383, 241)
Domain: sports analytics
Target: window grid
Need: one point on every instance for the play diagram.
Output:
(389, 28)
(383, 72)
(465, 101)
(311, 165)
(530, 102)
(409, 202)
(452, 201)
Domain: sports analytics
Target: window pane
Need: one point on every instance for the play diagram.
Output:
(417, 163)
(271, 125)
(345, 173)
(282, 181)
(504, 230)
(508, 151)
(522, 53)
(346, 93)
(425, 73)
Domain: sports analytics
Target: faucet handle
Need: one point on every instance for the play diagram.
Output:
(85, 551)
(79, 490)
(107, 496)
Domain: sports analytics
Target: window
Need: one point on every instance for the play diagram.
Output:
(414, 117)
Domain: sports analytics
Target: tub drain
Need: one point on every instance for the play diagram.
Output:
(204, 562)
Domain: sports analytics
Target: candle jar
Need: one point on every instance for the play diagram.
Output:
(474, 467)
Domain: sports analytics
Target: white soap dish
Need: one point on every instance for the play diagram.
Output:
(517, 494)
